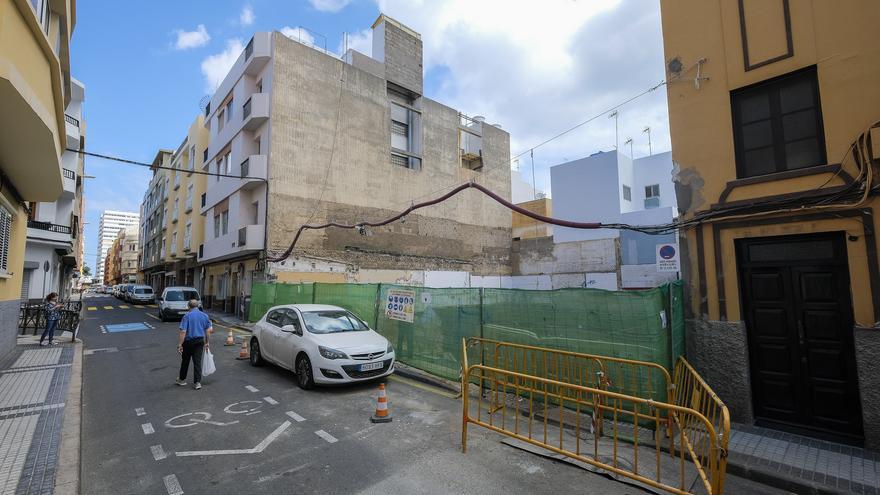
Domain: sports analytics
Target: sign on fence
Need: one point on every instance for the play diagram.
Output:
(400, 304)
(667, 258)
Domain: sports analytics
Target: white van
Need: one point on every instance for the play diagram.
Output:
(173, 301)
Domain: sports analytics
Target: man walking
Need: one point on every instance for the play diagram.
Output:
(195, 329)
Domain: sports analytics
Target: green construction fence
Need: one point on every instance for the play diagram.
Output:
(645, 325)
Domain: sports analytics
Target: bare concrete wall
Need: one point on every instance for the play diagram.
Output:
(540, 256)
(350, 178)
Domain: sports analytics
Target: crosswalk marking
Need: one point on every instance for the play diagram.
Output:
(326, 436)
(123, 306)
(152, 305)
(92, 308)
(108, 307)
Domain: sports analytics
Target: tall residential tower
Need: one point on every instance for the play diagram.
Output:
(111, 223)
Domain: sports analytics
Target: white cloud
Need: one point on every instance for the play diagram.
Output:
(329, 5)
(541, 67)
(361, 41)
(246, 18)
(298, 34)
(192, 39)
(215, 67)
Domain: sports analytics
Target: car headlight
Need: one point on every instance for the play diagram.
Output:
(331, 353)
(390, 349)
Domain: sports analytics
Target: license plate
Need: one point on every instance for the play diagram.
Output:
(371, 366)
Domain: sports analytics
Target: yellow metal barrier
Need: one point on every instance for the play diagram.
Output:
(557, 406)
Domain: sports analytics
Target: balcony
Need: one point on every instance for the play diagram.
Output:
(49, 231)
(255, 111)
(254, 171)
(257, 53)
(68, 182)
(247, 238)
(71, 125)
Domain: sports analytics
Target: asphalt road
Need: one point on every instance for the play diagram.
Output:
(251, 430)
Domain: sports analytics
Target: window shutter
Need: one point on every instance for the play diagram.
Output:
(5, 233)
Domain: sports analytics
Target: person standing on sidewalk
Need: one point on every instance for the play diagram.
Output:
(195, 330)
(53, 316)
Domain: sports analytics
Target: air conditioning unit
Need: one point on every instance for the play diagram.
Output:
(652, 203)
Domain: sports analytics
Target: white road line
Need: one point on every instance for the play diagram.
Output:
(151, 315)
(172, 485)
(326, 436)
(270, 400)
(139, 411)
(295, 416)
(148, 428)
(252, 388)
(256, 450)
(158, 452)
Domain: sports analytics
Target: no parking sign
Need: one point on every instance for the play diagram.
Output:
(667, 258)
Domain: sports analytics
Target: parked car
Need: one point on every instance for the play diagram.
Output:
(141, 294)
(126, 292)
(173, 302)
(321, 344)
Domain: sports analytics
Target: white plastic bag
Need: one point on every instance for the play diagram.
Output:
(208, 363)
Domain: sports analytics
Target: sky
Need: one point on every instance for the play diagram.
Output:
(536, 68)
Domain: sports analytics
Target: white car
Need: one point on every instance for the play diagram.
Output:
(321, 344)
(174, 301)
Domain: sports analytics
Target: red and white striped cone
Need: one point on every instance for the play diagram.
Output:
(382, 415)
(230, 339)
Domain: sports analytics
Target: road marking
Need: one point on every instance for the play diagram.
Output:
(270, 400)
(256, 450)
(252, 388)
(92, 308)
(206, 418)
(139, 411)
(158, 452)
(172, 485)
(152, 305)
(89, 352)
(427, 388)
(326, 436)
(148, 428)
(151, 315)
(295, 416)
(108, 307)
(123, 306)
(257, 405)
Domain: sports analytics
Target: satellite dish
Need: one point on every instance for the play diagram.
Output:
(203, 103)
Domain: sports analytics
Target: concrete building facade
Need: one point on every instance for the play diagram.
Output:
(771, 109)
(121, 265)
(35, 90)
(154, 221)
(109, 225)
(310, 138)
(53, 252)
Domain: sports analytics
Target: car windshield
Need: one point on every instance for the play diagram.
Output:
(332, 321)
(145, 290)
(181, 295)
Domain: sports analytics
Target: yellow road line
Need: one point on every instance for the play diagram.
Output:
(152, 305)
(422, 386)
(108, 307)
(92, 308)
(123, 306)
(235, 330)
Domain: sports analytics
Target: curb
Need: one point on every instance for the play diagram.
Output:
(782, 482)
(423, 377)
(67, 478)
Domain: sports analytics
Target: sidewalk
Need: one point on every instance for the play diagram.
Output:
(33, 393)
(229, 320)
(801, 464)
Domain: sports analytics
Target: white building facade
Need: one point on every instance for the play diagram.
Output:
(108, 228)
(54, 229)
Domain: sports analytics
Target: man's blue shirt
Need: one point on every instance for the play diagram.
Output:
(195, 323)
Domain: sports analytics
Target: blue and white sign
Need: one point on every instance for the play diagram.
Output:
(667, 258)
(400, 304)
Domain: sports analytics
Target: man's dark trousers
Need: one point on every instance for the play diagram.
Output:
(192, 349)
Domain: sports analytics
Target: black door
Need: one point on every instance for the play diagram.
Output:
(798, 314)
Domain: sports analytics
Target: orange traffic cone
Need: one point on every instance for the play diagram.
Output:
(230, 340)
(382, 415)
(244, 353)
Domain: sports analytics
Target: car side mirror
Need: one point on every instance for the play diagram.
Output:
(290, 329)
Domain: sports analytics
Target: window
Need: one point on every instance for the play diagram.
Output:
(227, 163)
(229, 110)
(405, 130)
(224, 222)
(192, 158)
(187, 236)
(189, 198)
(652, 191)
(627, 193)
(290, 318)
(216, 226)
(176, 207)
(777, 125)
(174, 243)
(5, 234)
(275, 317)
(221, 119)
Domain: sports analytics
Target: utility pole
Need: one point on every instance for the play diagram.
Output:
(629, 141)
(648, 131)
(614, 115)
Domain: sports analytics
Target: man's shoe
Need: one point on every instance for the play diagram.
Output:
(43, 344)
(198, 386)
(180, 382)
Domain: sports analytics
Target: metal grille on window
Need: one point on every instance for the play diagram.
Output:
(400, 160)
(5, 232)
(398, 128)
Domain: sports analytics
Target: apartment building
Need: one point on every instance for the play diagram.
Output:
(53, 250)
(122, 258)
(311, 138)
(35, 89)
(770, 106)
(154, 222)
(110, 224)
(183, 226)
(111, 266)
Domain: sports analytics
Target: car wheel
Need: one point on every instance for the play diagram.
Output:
(256, 357)
(304, 377)
(162, 316)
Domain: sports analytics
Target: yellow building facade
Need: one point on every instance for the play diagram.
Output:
(184, 229)
(771, 105)
(34, 91)
(524, 227)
